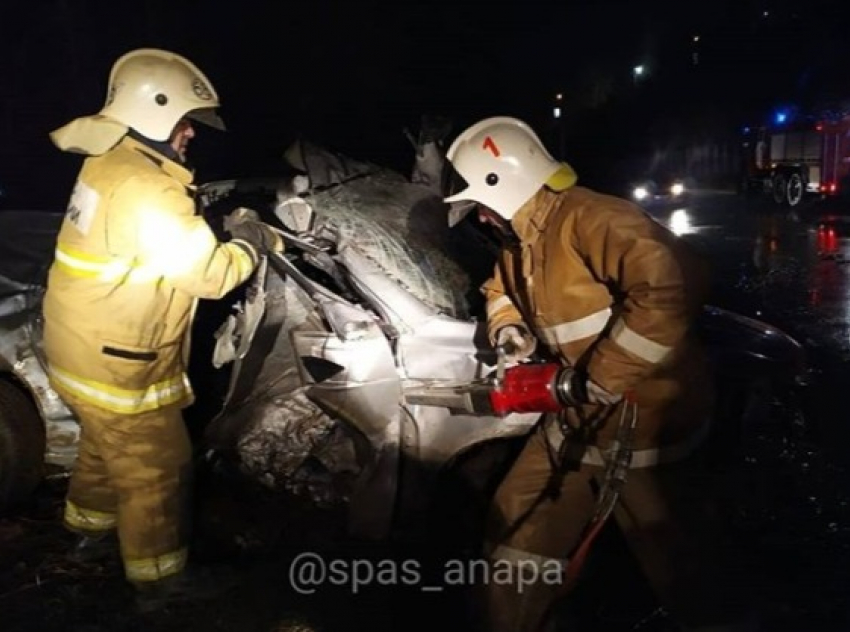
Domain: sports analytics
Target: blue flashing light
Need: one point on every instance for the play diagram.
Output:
(781, 117)
(746, 130)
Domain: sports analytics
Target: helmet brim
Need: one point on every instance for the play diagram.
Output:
(207, 116)
(460, 196)
(459, 210)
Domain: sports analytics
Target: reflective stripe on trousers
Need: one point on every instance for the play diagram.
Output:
(134, 472)
(648, 457)
(154, 568)
(95, 523)
(89, 521)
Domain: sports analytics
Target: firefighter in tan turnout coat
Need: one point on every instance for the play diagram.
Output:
(131, 261)
(591, 280)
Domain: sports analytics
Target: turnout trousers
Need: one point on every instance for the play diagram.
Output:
(133, 474)
(665, 513)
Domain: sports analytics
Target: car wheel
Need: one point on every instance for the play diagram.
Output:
(22, 445)
(794, 189)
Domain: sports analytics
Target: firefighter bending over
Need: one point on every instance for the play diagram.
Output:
(132, 260)
(610, 293)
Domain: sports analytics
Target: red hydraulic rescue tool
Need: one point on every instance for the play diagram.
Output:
(546, 387)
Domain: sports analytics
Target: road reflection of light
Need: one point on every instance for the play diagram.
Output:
(827, 239)
(680, 222)
(828, 287)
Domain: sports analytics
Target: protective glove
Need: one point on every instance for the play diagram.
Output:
(517, 342)
(244, 224)
(575, 389)
(239, 215)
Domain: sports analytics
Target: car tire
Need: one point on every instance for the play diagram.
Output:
(22, 445)
(794, 190)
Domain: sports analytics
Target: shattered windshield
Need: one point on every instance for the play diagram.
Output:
(401, 227)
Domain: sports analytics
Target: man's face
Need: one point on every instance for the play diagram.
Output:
(489, 216)
(502, 228)
(180, 137)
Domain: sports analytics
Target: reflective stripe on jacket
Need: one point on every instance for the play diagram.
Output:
(132, 258)
(610, 291)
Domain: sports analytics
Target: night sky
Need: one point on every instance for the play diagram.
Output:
(352, 75)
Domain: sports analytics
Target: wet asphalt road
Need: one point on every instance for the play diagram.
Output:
(790, 269)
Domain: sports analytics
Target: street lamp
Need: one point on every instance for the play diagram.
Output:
(559, 123)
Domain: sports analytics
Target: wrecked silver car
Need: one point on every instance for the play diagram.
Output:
(35, 426)
(327, 375)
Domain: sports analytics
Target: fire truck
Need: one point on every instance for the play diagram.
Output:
(798, 156)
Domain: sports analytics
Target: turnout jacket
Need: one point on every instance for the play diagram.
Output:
(132, 259)
(611, 292)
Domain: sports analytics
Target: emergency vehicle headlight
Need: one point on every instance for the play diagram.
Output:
(640, 193)
(677, 189)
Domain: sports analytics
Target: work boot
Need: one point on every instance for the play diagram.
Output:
(90, 549)
(187, 586)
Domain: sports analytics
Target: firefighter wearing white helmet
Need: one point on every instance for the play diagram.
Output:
(132, 260)
(591, 281)
(503, 164)
(149, 91)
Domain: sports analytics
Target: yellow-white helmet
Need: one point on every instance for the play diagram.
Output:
(504, 164)
(150, 90)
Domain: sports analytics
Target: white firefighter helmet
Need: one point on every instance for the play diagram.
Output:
(149, 90)
(503, 164)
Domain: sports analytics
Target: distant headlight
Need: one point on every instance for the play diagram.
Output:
(640, 193)
(677, 189)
